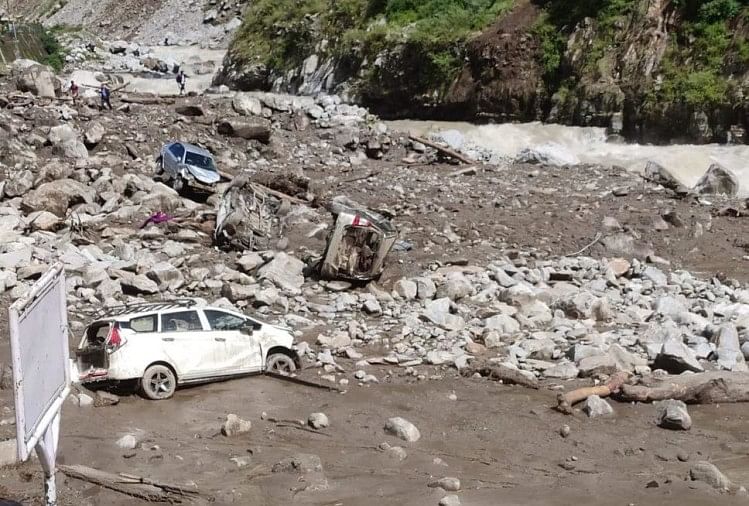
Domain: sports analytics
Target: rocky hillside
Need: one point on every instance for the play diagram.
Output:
(652, 70)
(205, 22)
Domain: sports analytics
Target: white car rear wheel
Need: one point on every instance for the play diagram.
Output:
(280, 363)
(158, 382)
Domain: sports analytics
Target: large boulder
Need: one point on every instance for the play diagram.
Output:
(58, 196)
(658, 174)
(285, 271)
(256, 129)
(548, 154)
(39, 80)
(18, 183)
(65, 143)
(718, 180)
(247, 105)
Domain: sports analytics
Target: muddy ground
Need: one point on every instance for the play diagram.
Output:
(502, 442)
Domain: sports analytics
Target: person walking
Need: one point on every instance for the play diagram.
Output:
(74, 92)
(182, 82)
(105, 95)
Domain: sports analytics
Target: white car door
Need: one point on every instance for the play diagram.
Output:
(242, 348)
(190, 347)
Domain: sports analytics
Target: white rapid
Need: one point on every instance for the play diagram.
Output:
(687, 162)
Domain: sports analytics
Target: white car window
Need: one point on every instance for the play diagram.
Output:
(183, 321)
(144, 323)
(219, 320)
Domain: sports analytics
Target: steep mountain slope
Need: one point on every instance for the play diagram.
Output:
(142, 21)
(653, 70)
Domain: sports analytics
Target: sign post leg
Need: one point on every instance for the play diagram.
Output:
(46, 449)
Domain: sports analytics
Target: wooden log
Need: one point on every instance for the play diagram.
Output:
(442, 149)
(567, 400)
(499, 372)
(141, 488)
(146, 100)
(703, 388)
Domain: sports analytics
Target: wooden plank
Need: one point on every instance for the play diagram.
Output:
(442, 149)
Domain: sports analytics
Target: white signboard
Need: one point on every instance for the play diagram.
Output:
(41, 370)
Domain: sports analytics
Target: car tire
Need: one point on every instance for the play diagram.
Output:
(158, 383)
(159, 168)
(280, 363)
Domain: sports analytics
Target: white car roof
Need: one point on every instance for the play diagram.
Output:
(122, 314)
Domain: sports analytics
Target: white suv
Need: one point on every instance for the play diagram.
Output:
(165, 344)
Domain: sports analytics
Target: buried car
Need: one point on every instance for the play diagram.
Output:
(165, 344)
(184, 164)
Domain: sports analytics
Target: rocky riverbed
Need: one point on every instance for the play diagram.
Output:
(558, 277)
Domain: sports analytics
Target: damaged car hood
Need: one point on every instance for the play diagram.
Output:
(204, 175)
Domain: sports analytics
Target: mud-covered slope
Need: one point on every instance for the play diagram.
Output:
(653, 70)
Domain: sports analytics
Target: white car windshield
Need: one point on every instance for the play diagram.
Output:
(200, 161)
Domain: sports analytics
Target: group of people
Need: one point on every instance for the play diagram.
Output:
(105, 94)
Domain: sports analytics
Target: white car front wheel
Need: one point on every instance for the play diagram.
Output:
(280, 363)
(158, 382)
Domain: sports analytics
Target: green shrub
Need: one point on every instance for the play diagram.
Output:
(55, 53)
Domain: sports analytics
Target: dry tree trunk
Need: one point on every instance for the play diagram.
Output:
(702, 388)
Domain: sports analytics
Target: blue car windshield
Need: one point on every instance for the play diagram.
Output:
(199, 161)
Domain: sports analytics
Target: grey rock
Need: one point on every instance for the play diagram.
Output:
(372, 306)
(403, 429)
(565, 370)
(730, 356)
(318, 421)
(438, 312)
(94, 134)
(718, 180)
(594, 406)
(676, 357)
(139, 285)
(166, 275)
(672, 414)
(285, 271)
(505, 325)
(450, 500)
(233, 425)
(455, 287)
(335, 341)
(249, 262)
(127, 442)
(18, 183)
(448, 484)
(39, 80)
(655, 275)
(247, 105)
(406, 288)
(597, 365)
(706, 472)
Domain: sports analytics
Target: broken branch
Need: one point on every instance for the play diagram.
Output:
(566, 401)
(300, 381)
(445, 151)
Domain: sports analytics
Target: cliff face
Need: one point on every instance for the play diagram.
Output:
(651, 70)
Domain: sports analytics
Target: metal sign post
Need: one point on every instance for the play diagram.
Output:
(41, 370)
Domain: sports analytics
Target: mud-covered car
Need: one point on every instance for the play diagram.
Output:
(166, 344)
(182, 165)
(358, 243)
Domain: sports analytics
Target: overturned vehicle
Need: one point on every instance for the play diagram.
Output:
(252, 216)
(358, 244)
